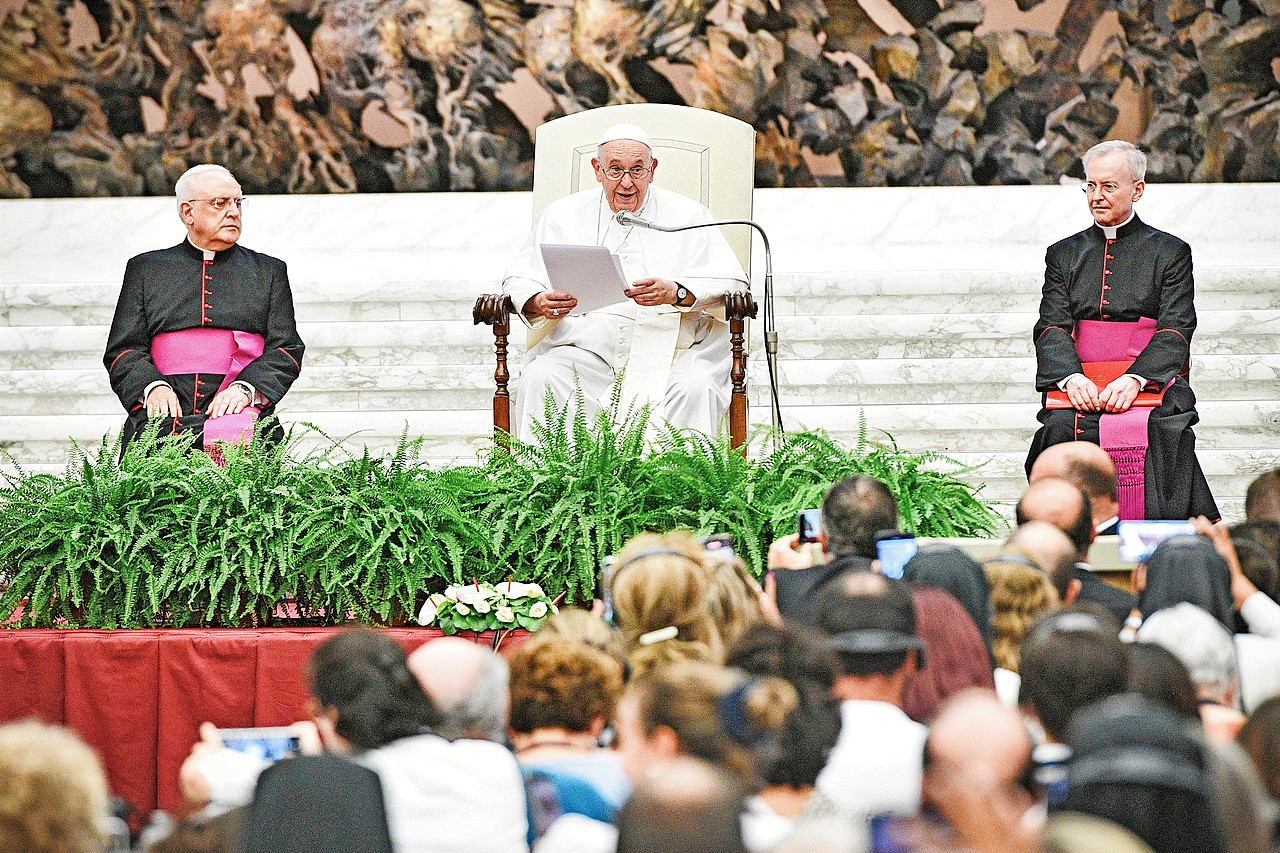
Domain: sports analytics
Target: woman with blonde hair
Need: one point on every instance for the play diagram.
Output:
(53, 795)
(660, 590)
(1021, 593)
(734, 597)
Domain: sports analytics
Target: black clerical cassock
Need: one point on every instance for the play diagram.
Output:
(1140, 272)
(171, 290)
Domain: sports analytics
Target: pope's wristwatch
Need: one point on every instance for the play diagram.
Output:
(681, 294)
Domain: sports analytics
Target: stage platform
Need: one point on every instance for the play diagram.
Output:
(138, 697)
(912, 307)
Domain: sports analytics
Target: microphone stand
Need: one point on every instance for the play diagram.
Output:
(626, 217)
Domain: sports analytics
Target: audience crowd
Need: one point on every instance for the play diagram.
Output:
(1018, 705)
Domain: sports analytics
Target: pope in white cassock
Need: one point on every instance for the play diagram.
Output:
(675, 354)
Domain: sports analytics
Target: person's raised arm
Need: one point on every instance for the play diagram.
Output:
(1259, 611)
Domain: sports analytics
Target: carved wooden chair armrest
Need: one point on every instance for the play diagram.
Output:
(494, 309)
(738, 306)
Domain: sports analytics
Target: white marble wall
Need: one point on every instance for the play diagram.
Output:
(911, 305)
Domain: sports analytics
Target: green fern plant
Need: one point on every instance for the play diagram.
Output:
(162, 536)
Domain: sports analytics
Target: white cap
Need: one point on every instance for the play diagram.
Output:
(626, 131)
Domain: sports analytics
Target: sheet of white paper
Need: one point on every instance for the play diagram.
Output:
(591, 273)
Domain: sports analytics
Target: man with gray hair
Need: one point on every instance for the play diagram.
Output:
(1208, 652)
(675, 353)
(1113, 345)
(204, 333)
(469, 686)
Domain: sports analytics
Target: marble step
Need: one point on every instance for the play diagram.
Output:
(940, 428)
(55, 304)
(356, 387)
(994, 427)
(854, 382)
(378, 343)
(941, 335)
(855, 291)
(919, 336)
(46, 439)
(812, 382)
(946, 428)
(342, 299)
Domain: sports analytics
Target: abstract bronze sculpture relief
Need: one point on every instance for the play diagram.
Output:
(118, 97)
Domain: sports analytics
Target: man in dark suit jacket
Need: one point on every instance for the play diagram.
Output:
(217, 317)
(1122, 271)
(854, 511)
(1066, 507)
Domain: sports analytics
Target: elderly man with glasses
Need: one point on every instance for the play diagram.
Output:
(1113, 345)
(676, 355)
(204, 334)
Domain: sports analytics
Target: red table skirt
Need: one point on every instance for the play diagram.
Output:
(138, 697)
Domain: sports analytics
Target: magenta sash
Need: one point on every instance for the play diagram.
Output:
(1103, 340)
(1122, 434)
(212, 351)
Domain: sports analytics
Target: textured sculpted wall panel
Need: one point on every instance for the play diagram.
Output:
(118, 97)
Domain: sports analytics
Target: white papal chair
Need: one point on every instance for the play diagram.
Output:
(705, 155)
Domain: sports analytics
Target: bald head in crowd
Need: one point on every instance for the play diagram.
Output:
(1088, 467)
(1049, 546)
(1262, 500)
(468, 684)
(974, 728)
(1064, 506)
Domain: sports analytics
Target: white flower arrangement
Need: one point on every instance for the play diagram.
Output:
(482, 607)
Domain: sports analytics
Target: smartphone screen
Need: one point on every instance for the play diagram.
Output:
(269, 743)
(918, 833)
(809, 524)
(894, 553)
(1138, 539)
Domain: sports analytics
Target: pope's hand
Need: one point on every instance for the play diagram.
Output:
(652, 291)
(552, 304)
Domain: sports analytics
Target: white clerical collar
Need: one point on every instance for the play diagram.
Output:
(208, 253)
(609, 218)
(1109, 231)
(1103, 525)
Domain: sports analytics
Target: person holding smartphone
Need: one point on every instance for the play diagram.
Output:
(854, 512)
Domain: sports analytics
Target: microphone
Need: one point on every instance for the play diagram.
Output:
(626, 217)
